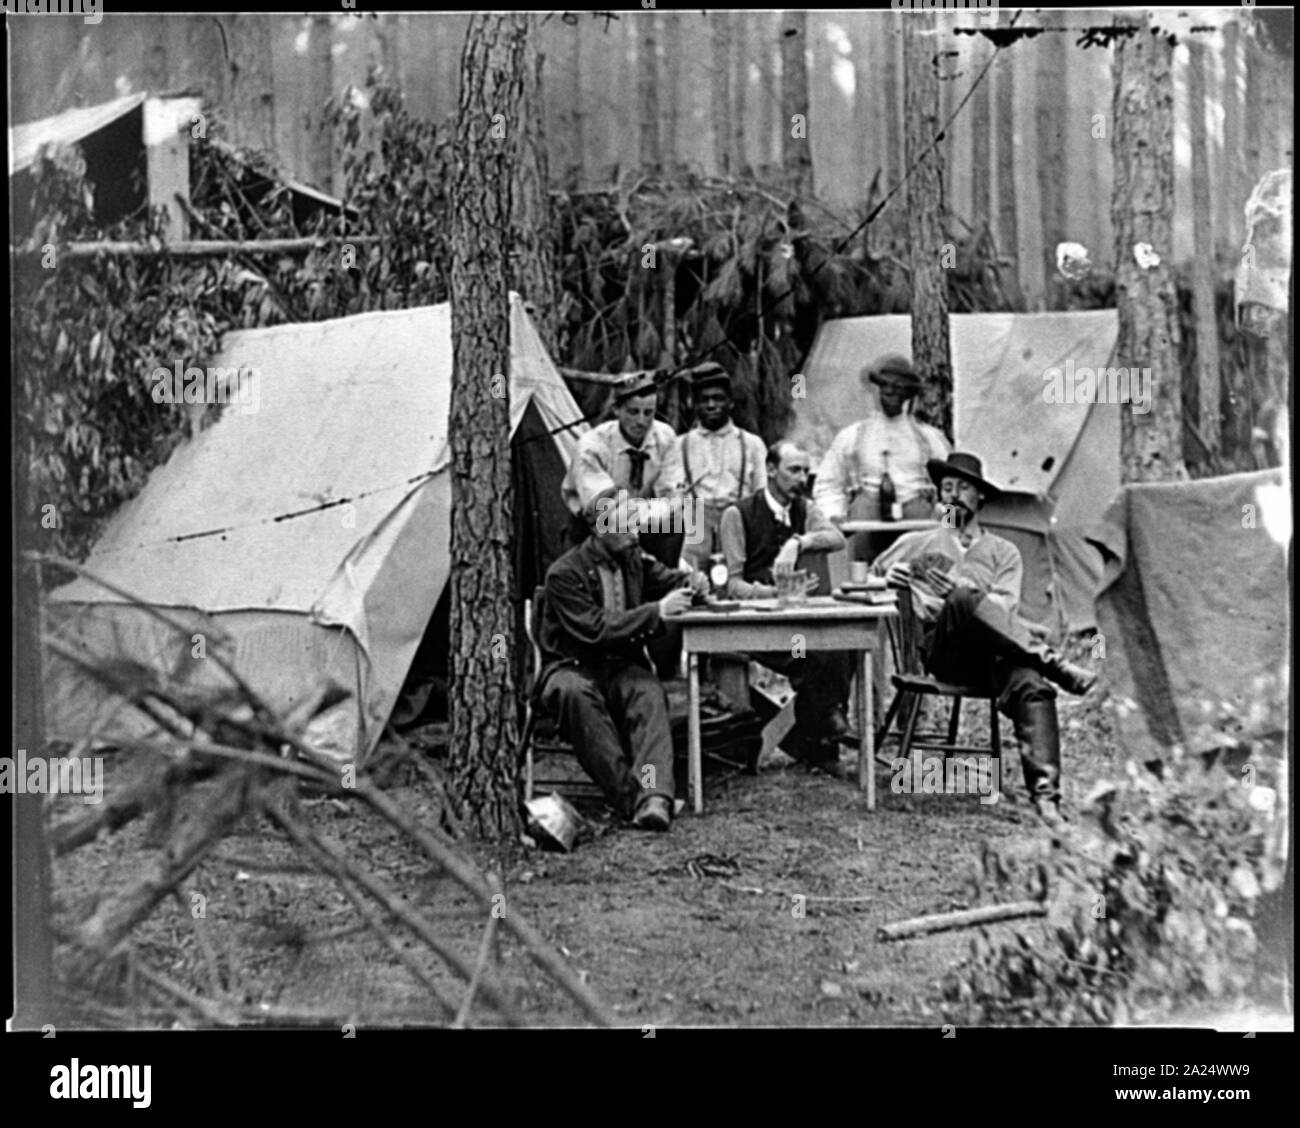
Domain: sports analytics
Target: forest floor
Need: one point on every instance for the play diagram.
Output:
(697, 927)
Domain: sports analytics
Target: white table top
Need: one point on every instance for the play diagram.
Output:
(817, 609)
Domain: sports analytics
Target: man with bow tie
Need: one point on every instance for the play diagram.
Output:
(965, 586)
(777, 529)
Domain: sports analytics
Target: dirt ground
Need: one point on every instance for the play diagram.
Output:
(697, 927)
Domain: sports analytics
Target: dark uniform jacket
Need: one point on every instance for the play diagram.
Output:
(574, 622)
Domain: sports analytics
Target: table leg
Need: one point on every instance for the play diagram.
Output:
(866, 730)
(695, 753)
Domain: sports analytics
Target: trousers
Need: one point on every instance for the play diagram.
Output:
(820, 680)
(977, 642)
(615, 715)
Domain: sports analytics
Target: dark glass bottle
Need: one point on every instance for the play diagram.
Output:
(889, 507)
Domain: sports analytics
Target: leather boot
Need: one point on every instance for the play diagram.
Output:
(1013, 638)
(1040, 753)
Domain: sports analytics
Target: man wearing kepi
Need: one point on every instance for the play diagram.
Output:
(888, 441)
(625, 453)
(713, 465)
(774, 530)
(965, 586)
(604, 600)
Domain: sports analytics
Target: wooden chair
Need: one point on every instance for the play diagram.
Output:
(533, 711)
(912, 685)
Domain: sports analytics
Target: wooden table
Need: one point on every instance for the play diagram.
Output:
(825, 624)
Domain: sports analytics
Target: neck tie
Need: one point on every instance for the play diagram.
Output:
(638, 459)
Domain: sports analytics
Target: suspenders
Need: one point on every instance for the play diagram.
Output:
(744, 462)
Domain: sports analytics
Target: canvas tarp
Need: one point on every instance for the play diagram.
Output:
(314, 531)
(1060, 461)
(1194, 611)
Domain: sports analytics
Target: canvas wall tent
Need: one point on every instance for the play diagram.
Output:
(1059, 461)
(314, 531)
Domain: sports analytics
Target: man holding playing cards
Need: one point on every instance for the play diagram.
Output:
(965, 586)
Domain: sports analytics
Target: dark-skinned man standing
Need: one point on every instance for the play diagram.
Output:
(713, 465)
(965, 586)
(774, 530)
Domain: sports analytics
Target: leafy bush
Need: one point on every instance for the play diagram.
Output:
(1153, 904)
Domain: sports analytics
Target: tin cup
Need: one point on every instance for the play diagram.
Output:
(858, 571)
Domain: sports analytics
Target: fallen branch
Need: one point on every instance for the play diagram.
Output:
(308, 839)
(214, 1013)
(963, 918)
(484, 949)
(328, 863)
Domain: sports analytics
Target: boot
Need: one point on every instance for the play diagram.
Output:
(1013, 638)
(1040, 754)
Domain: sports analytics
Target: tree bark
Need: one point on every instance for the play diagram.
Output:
(1203, 258)
(1004, 80)
(740, 101)
(720, 24)
(767, 154)
(647, 81)
(1233, 171)
(796, 151)
(483, 704)
(670, 103)
(925, 236)
(1142, 212)
(534, 274)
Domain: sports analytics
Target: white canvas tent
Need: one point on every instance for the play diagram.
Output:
(314, 531)
(1059, 462)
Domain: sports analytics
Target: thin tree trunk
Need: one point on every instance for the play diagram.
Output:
(740, 103)
(670, 103)
(924, 228)
(484, 722)
(647, 81)
(249, 85)
(1004, 87)
(720, 24)
(796, 144)
(982, 131)
(1231, 202)
(320, 88)
(1203, 258)
(1254, 111)
(1050, 101)
(533, 253)
(1142, 211)
(893, 103)
(769, 83)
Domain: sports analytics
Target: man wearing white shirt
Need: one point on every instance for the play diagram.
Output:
(713, 465)
(848, 480)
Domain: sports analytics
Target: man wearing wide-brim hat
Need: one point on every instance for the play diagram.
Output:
(965, 584)
(848, 478)
(713, 465)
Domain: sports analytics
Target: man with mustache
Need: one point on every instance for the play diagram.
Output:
(713, 465)
(848, 479)
(965, 586)
(777, 529)
(604, 600)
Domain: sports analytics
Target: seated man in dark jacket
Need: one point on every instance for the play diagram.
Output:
(778, 529)
(604, 600)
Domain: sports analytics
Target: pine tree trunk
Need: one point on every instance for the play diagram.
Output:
(1203, 258)
(893, 107)
(647, 82)
(740, 103)
(925, 236)
(533, 250)
(320, 147)
(248, 85)
(1231, 202)
(669, 138)
(982, 131)
(484, 722)
(1004, 88)
(796, 150)
(1142, 212)
(720, 25)
(769, 109)
(1048, 105)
